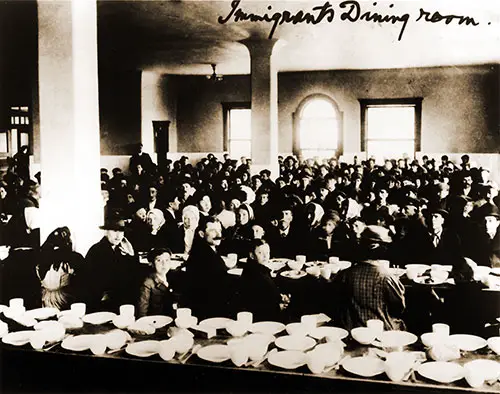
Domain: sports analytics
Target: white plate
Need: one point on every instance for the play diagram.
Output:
(276, 264)
(25, 320)
(397, 271)
(397, 338)
(157, 321)
(71, 321)
(3, 308)
(243, 260)
(267, 327)
(295, 342)
(48, 325)
(466, 342)
(18, 338)
(441, 371)
(78, 343)
(489, 369)
(215, 322)
(495, 271)
(235, 271)
(177, 256)
(364, 366)
(99, 317)
(293, 274)
(214, 353)
(326, 331)
(439, 267)
(288, 359)
(42, 313)
(143, 348)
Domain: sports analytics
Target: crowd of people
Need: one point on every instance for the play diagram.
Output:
(403, 211)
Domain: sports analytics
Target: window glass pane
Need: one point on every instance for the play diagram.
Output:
(16, 120)
(15, 108)
(25, 138)
(22, 119)
(24, 109)
(390, 149)
(391, 122)
(27, 120)
(318, 108)
(239, 148)
(318, 128)
(3, 142)
(240, 124)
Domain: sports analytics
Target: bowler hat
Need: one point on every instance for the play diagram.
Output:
(116, 224)
(376, 234)
(488, 210)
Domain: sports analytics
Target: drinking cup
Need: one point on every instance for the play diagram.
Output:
(16, 303)
(232, 260)
(239, 353)
(79, 309)
(127, 310)
(333, 260)
(326, 272)
(245, 318)
(301, 259)
(376, 325)
(309, 322)
(183, 313)
(441, 329)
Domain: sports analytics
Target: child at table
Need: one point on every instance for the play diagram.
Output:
(156, 296)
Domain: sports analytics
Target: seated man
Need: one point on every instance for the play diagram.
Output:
(109, 278)
(259, 293)
(209, 289)
(485, 250)
(367, 290)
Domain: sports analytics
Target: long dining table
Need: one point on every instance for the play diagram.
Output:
(54, 368)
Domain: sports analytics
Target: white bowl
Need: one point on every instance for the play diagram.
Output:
(186, 322)
(236, 328)
(364, 335)
(297, 329)
(494, 344)
(314, 271)
(182, 343)
(430, 339)
(294, 265)
(167, 350)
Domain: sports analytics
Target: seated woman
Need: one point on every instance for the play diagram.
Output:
(156, 296)
(259, 292)
(238, 238)
(58, 265)
(324, 241)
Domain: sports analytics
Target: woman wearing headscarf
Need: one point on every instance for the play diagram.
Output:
(239, 237)
(57, 268)
(157, 237)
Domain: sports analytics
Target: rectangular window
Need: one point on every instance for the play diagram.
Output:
(4, 145)
(238, 130)
(390, 128)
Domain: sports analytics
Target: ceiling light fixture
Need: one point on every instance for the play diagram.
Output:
(214, 76)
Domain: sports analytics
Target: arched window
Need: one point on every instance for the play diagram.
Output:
(319, 128)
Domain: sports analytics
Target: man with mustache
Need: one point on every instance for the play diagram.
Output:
(209, 291)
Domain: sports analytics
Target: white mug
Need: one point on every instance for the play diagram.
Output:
(127, 310)
(245, 318)
(183, 313)
(441, 329)
(15, 303)
(376, 325)
(79, 309)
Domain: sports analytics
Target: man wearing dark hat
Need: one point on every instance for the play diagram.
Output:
(367, 290)
(486, 250)
(433, 243)
(108, 277)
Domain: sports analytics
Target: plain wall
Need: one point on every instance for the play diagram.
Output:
(199, 110)
(460, 108)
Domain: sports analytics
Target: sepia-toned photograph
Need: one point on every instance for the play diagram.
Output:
(249, 196)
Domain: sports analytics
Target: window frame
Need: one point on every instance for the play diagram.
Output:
(226, 108)
(296, 117)
(416, 102)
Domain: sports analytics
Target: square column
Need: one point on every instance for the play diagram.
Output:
(69, 120)
(264, 81)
